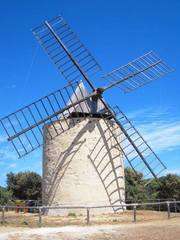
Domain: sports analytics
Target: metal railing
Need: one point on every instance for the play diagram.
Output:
(41, 210)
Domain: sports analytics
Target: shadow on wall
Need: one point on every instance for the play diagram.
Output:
(107, 162)
(111, 177)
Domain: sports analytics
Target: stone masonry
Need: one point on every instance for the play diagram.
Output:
(83, 165)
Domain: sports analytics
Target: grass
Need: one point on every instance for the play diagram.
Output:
(71, 214)
(32, 219)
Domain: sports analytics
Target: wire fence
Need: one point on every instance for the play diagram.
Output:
(36, 216)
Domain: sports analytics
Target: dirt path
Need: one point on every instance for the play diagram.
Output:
(155, 230)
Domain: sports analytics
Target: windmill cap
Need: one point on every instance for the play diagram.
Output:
(91, 106)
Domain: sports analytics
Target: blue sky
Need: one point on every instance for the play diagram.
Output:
(115, 32)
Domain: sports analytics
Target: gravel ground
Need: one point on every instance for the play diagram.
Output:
(153, 230)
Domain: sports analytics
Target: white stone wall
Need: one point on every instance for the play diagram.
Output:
(80, 162)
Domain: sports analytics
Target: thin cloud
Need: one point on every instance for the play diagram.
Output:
(173, 171)
(8, 86)
(159, 128)
(6, 153)
(2, 139)
(162, 136)
(12, 165)
(147, 114)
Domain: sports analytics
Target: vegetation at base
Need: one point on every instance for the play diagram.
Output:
(24, 185)
(71, 214)
(21, 186)
(27, 186)
(134, 186)
(5, 196)
(115, 220)
(168, 187)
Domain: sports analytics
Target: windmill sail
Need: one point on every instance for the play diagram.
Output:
(137, 73)
(139, 154)
(64, 48)
(24, 128)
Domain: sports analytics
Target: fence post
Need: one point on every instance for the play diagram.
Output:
(3, 215)
(134, 213)
(168, 210)
(40, 217)
(88, 217)
(159, 205)
(175, 207)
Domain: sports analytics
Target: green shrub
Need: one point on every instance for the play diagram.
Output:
(71, 214)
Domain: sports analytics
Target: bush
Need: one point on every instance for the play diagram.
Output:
(71, 214)
(5, 196)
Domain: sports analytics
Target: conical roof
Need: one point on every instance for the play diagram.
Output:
(88, 106)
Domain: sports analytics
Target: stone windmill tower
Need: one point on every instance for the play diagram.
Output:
(83, 166)
(85, 141)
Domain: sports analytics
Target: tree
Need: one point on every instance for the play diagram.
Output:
(134, 186)
(169, 187)
(152, 189)
(5, 196)
(24, 185)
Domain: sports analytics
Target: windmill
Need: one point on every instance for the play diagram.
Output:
(85, 140)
